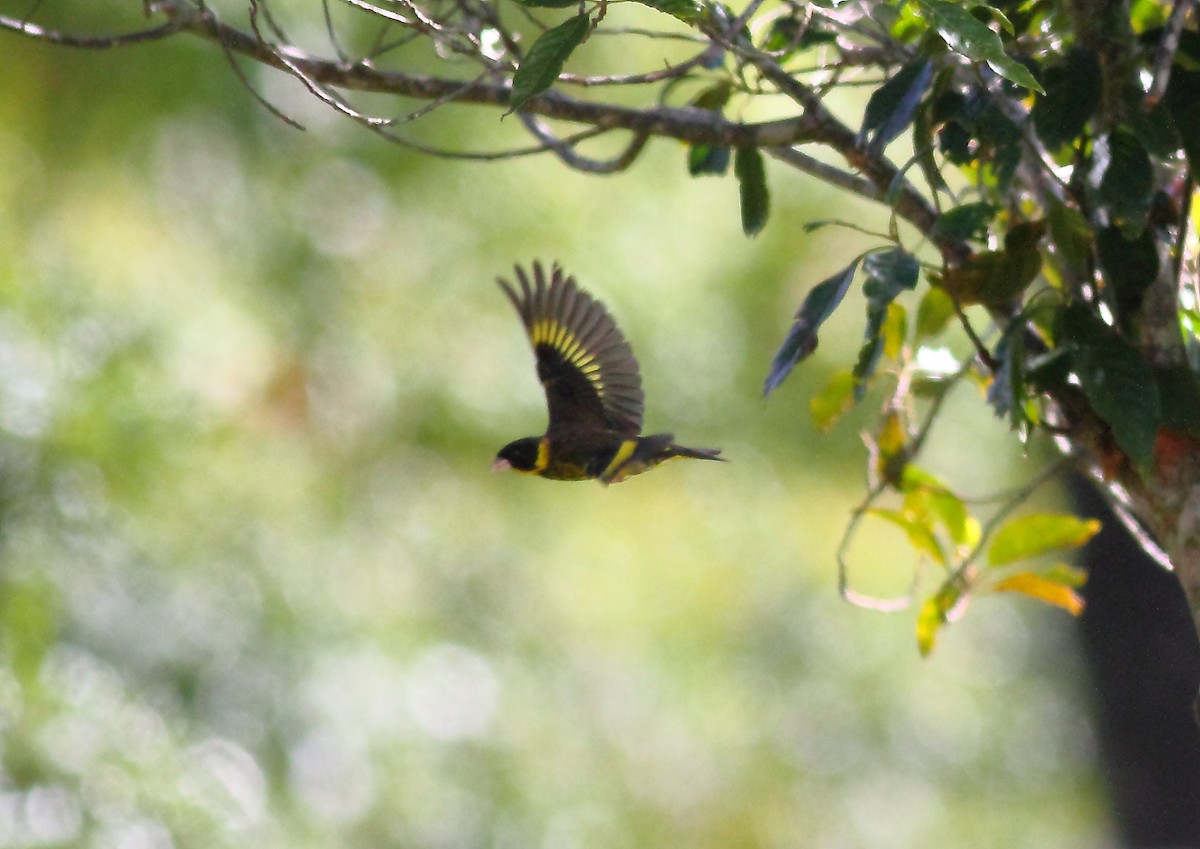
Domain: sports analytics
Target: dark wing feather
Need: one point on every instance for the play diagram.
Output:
(583, 360)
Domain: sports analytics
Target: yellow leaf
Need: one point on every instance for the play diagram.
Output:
(892, 435)
(895, 328)
(920, 534)
(1030, 536)
(1044, 590)
(828, 405)
(891, 455)
(936, 612)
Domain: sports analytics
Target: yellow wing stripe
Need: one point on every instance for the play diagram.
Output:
(623, 454)
(560, 338)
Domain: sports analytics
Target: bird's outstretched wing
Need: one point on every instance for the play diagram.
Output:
(583, 360)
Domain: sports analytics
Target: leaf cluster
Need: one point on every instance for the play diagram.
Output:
(1071, 185)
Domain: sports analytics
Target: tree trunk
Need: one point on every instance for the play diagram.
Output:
(1144, 663)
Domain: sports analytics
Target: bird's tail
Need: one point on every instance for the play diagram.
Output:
(694, 453)
(646, 452)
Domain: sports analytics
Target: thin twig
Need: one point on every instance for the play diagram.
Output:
(667, 73)
(101, 42)
(824, 171)
(985, 356)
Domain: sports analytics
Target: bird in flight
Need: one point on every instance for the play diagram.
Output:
(592, 385)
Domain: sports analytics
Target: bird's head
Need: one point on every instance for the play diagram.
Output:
(528, 455)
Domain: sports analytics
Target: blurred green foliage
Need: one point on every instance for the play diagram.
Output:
(258, 589)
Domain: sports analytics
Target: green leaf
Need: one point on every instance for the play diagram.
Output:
(925, 494)
(935, 613)
(970, 37)
(832, 402)
(1071, 235)
(891, 272)
(1065, 574)
(1116, 380)
(1183, 93)
(792, 33)
(1026, 537)
(918, 530)
(714, 97)
(954, 140)
(933, 313)
(707, 159)
(895, 269)
(544, 61)
(801, 339)
(1072, 96)
(549, 4)
(1129, 267)
(894, 331)
(1128, 182)
(871, 351)
(968, 222)
(715, 17)
(924, 147)
(974, 129)
(1007, 393)
(688, 11)
(752, 185)
(1157, 131)
(893, 105)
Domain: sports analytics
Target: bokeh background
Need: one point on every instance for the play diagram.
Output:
(257, 587)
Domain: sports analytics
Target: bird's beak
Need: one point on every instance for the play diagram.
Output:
(500, 465)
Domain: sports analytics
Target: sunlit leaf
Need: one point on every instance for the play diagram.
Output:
(752, 185)
(925, 494)
(916, 478)
(1043, 589)
(893, 436)
(920, 533)
(544, 61)
(970, 37)
(1065, 574)
(894, 331)
(801, 339)
(935, 613)
(933, 313)
(832, 402)
(1031, 536)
